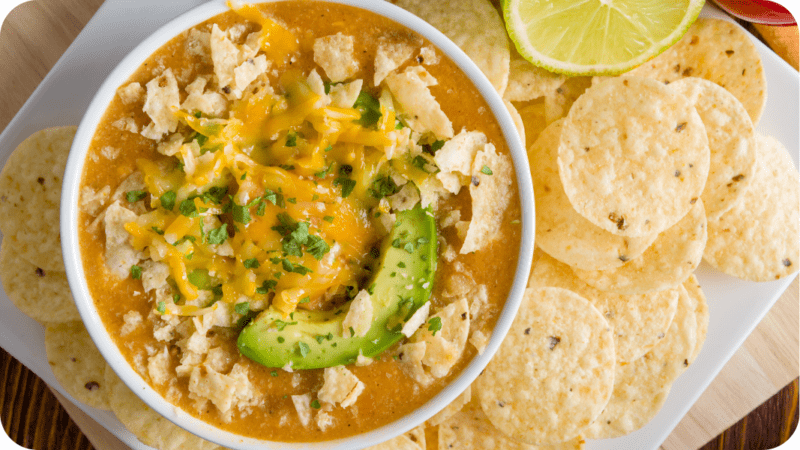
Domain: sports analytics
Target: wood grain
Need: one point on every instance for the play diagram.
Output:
(34, 37)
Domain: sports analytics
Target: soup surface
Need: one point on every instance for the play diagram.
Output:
(256, 166)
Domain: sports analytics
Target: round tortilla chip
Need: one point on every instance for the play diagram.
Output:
(757, 239)
(731, 139)
(147, 425)
(557, 356)
(559, 101)
(30, 195)
(528, 82)
(641, 387)
(470, 429)
(560, 231)
(532, 114)
(622, 417)
(639, 322)
(718, 51)
(517, 118)
(633, 156)
(43, 295)
(76, 363)
(671, 259)
(473, 25)
(692, 287)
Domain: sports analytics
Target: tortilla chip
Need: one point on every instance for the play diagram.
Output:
(455, 159)
(413, 440)
(302, 403)
(344, 95)
(120, 254)
(147, 425)
(473, 25)
(452, 408)
(558, 356)
(490, 194)
(624, 416)
(528, 82)
(757, 239)
(639, 322)
(671, 259)
(30, 195)
(162, 99)
(418, 108)
(410, 356)
(445, 346)
(533, 121)
(359, 317)
(76, 363)
(633, 156)
(692, 287)
(719, 51)
(559, 101)
(43, 295)
(560, 231)
(131, 93)
(340, 386)
(518, 124)
(471, 430)
(731, 140)
(416, 320)
(390, 56)
(207, 102)
(335, 55)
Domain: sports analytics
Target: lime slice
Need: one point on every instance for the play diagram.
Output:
(596, 37)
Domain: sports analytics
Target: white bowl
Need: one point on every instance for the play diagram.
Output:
(74, 262)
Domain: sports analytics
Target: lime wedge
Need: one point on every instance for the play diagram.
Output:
(596, 37)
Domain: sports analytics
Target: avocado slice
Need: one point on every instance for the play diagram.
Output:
(313, 339)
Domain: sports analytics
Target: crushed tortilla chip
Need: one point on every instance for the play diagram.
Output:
(490, 197)
(209, 103)
(445, 346)
(302, 403)
(455, 159)
(340, 386)
(120, 254)
(159, 105)
(131, 93)
(335, 55)
(390, 56)
(419, 317)
(359, 317)
(344, 95)
(419, 108)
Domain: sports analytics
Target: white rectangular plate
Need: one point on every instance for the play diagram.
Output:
(736, 306)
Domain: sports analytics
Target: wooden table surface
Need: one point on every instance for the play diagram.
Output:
(763, 372)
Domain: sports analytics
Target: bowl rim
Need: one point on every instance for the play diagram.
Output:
(73, 261)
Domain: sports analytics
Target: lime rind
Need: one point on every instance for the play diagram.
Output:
(517, 31)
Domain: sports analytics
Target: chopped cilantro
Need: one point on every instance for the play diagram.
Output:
(317, 247)
(345, 170)
(280, 325)
(433, 148)
(167, 200)
(383, 187)
(324, 173)
(136, 272)
(370, 109)
(421, 163)
(251, 263)
(241, 214)
(486, 170)
(188, 208)
(291, 139)
(286, 167)
(274, 373)
(328, 148)
(315, 404)
(161, 307)
(352, 332)
(215, 194)
(242, 308)
(218, 235)
(190, 256)
(281, 339)
(305, 299)
(434, 325)
(319, 339)
(328, 219)
(266, 286)
(135, 196)
(347, 185)
(157, 230)
(303, 348)
(244, 176)
(271, 196)
(409, 247)
(401, 265)
(292, 200)
(398, 125)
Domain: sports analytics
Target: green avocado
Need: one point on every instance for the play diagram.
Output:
(313, 339)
